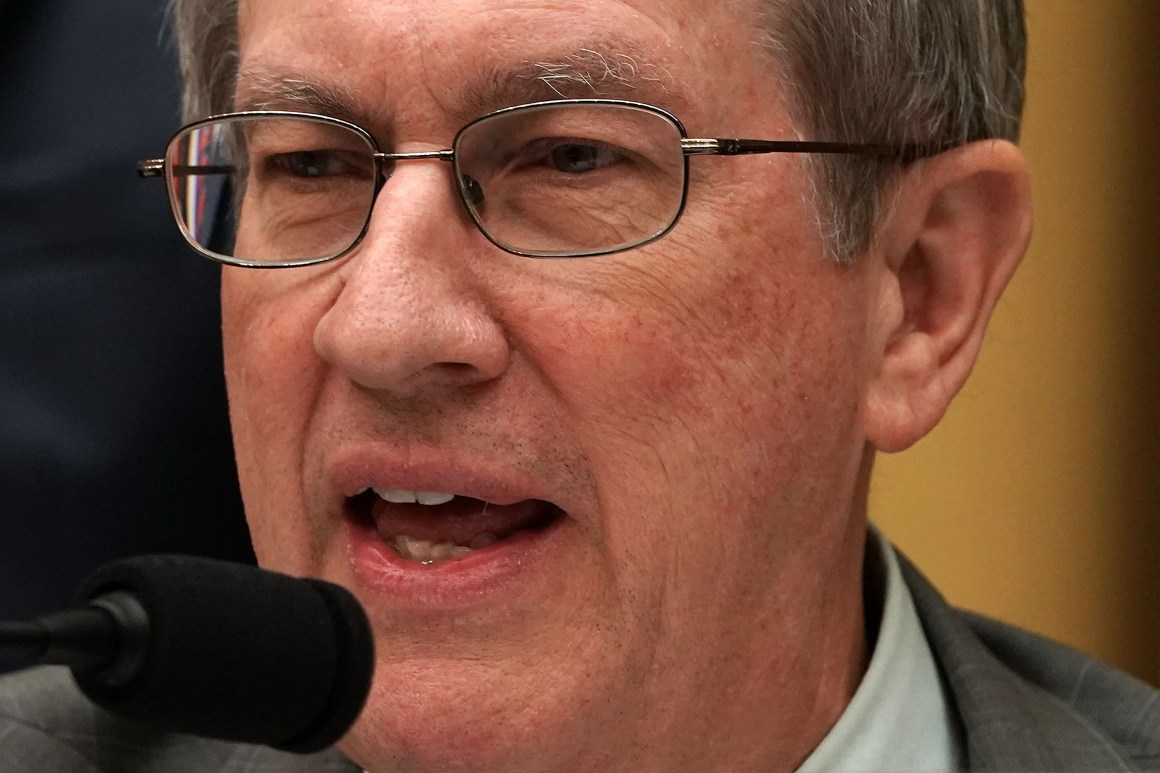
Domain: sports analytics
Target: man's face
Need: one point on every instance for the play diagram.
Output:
(665, 442)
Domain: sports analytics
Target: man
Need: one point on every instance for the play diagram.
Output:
(588, 436)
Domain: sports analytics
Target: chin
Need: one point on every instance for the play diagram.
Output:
(420, 723)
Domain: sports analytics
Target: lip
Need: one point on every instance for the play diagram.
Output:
(488, 577)
(354, 472)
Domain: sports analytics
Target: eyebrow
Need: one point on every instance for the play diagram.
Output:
(598, 70)
(259, 89)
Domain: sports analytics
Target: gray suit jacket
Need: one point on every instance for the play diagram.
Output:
(1030, 704)
(1026, 704)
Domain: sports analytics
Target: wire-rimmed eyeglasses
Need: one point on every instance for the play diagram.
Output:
(561, 179)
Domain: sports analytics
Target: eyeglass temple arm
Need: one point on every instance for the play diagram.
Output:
(155, 167)
(722, 146)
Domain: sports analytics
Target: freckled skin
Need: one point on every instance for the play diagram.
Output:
(692, 405)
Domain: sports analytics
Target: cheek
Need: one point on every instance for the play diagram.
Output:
(699, 338)
(273, 377)
(696, 375)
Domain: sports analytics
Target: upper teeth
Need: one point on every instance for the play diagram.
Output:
(407, 496)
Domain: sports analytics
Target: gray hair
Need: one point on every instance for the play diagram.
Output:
(207, 46)
(918, 75)
(924, 75)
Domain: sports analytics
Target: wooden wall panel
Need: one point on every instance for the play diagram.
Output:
(1037, 500)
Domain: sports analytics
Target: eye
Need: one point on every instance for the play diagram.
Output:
(310, 163)
(578, 157)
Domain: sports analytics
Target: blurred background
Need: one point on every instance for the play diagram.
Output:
(1037, 500)
(113, 432)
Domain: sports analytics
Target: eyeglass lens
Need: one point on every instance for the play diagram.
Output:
(547, 180)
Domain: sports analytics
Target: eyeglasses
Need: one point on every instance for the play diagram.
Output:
(560, 179)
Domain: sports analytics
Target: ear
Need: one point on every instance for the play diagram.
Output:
(959, 225)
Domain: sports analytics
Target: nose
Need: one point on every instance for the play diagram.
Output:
(413, 312)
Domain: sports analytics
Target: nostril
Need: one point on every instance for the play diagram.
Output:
(457, 369)
(382, 347)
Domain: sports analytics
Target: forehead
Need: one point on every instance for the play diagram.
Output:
(472, 56)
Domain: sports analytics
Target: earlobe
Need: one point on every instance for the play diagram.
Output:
(959, 226)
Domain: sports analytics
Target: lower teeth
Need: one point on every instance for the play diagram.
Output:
(427, 552)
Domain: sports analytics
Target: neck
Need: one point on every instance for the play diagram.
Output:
(767, 705)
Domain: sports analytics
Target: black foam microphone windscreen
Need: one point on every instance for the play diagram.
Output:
(236, 652)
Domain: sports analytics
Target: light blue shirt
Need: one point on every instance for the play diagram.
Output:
(901, 718)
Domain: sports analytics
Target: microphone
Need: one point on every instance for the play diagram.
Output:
(214, 649)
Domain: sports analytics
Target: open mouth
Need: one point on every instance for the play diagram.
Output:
(429, 527)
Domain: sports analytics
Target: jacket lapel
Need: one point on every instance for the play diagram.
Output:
(1009, 723)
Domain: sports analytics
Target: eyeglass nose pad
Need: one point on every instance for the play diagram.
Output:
(472, 190)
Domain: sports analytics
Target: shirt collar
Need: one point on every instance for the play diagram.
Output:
(901, 716)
